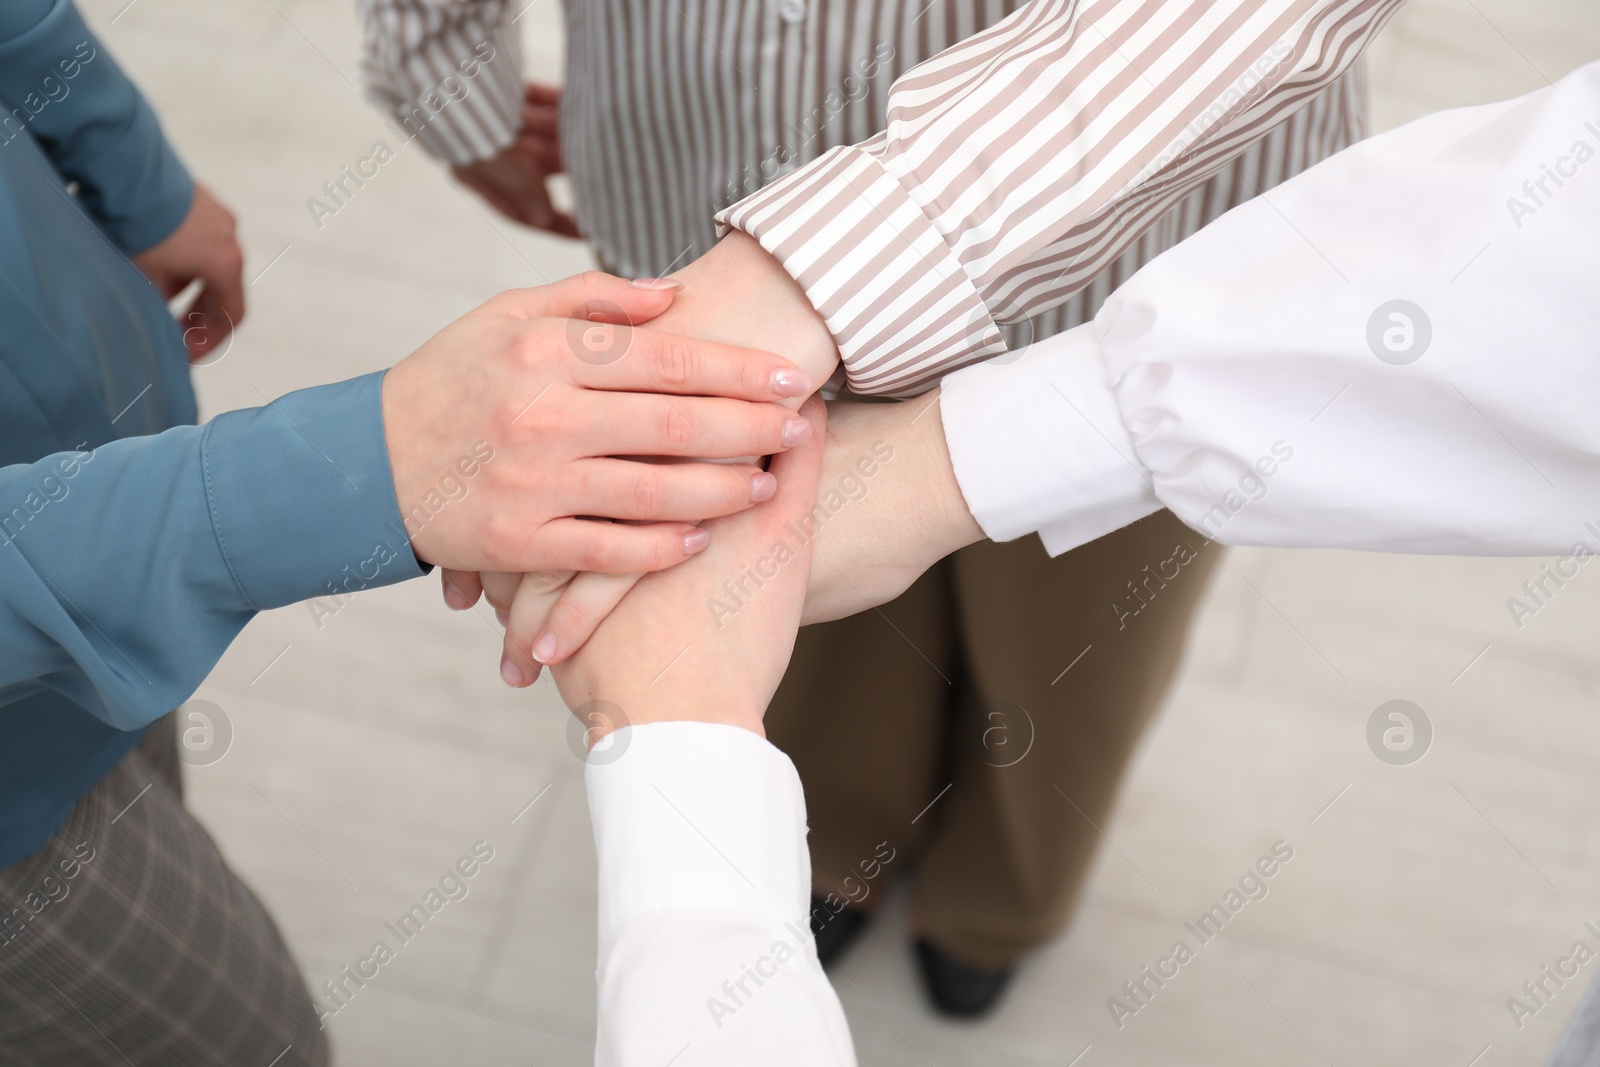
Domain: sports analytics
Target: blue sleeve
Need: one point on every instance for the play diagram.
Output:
(58, 83)
(126, 571)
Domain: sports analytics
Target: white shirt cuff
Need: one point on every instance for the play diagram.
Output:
(1039, 444)
(692, 815)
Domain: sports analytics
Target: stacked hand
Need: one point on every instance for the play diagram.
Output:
(662, 655)
(867, 552)
(540, 394)
(738, 295)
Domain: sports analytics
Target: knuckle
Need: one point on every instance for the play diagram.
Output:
(499, 535)
(676, 431)
(646, 494)
(543, 583)
(766, 428)
(524, 346)
(595, 554)
(753, 378)
(675, 362)
(658, 554)
(569, 618)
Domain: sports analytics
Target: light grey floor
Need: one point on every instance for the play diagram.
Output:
(375, 745)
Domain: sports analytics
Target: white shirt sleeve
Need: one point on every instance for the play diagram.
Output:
(1398, 350)
(706, 955)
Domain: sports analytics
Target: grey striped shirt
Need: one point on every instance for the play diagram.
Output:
(1010, 181)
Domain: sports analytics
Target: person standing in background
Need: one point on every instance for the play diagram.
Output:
(977, 730)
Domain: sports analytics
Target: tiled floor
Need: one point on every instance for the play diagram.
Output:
(375, 746)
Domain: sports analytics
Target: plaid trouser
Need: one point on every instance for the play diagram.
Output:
(126, 940)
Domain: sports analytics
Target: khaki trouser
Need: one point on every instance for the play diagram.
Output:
(960, 682)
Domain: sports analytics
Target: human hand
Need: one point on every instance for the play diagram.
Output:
(738, 294)
(202, 248)
(888, 507)
(504, 432)
(513, 182)
(681, 646)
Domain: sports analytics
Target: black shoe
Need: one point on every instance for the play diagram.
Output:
(956, 989)
(835, 931)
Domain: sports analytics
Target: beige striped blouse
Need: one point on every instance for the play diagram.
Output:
(1008, 182)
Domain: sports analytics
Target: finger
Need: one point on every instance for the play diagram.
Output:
(539, 93)
(623, 489)
(224, 292)
(642, 360)
(208, 326)
(618, 548)
(799, 469)
(540, 122)
(499, 589)
(565, 225)
(535, 596)
(591, 296)
(461, 588)
(576, 614)
(694, 427)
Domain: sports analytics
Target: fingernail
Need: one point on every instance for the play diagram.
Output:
(696, 542)
(762, 486)
(796, 431)
(544, 648)
(657, 284)
(512, 674)
(791, 383)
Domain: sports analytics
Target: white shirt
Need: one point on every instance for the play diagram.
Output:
(1264, 382)
(1232, 380)
(706, 955)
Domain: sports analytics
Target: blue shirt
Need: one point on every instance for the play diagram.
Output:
(135, 545)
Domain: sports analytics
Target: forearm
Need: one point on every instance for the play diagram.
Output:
(888, 508)
(126, 571)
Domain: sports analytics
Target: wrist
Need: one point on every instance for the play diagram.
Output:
(738, 293)
(645, 713)
(950, 520)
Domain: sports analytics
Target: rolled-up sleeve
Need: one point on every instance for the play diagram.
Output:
(1019, 164)
(448, 71)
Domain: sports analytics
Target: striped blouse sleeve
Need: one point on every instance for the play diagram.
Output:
(449, 71)
(1020, 163)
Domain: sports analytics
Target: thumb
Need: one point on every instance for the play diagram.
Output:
(592, 295)
(799, 469)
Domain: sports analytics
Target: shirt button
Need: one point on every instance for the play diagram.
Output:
(792, 10)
